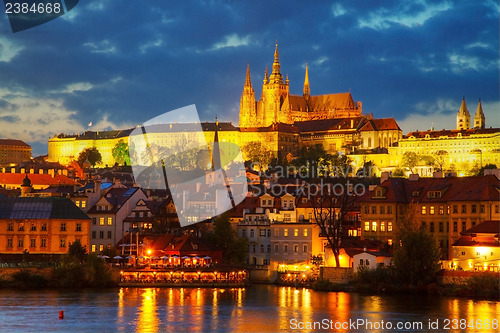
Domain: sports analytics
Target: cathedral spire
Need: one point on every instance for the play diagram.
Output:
(479, 119)
(248, 81)
(276, 76)
(307, 90)
(266, 77)
(463, 116)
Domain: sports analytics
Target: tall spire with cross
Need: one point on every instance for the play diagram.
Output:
(307, 89)
(276, 76)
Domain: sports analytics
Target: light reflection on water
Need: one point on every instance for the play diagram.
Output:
(253, 309)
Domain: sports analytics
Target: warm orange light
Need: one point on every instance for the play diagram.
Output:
(149, 251)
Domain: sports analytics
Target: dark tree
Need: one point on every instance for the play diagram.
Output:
(331, 206)
(77, 251)
(90, 154)
(235, 249)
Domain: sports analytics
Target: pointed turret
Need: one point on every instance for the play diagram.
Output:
(276, 76)
(247, 102)
(248, 81)
(266, 77)
(307, 90)
(463, 116)
(479, 119)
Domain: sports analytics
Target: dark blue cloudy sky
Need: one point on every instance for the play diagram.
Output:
(117, 63)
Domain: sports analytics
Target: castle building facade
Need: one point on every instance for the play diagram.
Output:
(277, 105)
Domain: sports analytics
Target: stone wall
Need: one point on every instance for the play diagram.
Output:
(336, 274)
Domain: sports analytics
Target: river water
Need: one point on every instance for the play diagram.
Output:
(260, 308)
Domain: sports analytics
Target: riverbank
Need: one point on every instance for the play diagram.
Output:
(483, 285)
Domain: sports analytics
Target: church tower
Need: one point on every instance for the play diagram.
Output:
(463, 116)
(307, 90)
(274, 92)
(479, 119)
(247, 103)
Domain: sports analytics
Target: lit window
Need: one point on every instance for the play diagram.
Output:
(101, 247)
(374, 226)
(285, 232)
(305, 232)
(431, 210)
(296, 233)
(367, 226)
(382, 226)
(110, 221)
(441, 210)
(93, 247)
(295, 248)
(389, 226)
(77, 203)
(424, 210)
(389, 241)
(84, 203)
(101, 221)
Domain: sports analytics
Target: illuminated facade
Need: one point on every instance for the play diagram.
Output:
(445, 207)
(13, 152)
(478, 248)
(462, 150)
(277, 105)
(41, 225)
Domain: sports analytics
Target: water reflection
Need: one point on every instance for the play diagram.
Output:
(269, 308)
(148, 317)
(253, 309)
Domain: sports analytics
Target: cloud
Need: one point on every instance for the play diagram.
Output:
(9, 119)
(409, 14)
(338, 10)
(104, 46)
(232, 40)
(9, 49)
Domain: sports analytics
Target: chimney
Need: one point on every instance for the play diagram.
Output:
(384, 176)
(437, 174)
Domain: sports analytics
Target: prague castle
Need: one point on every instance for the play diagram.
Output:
(277, 105)
(285, 123)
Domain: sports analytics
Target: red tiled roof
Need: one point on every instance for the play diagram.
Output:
(487, 227)
(452, 133)
(16, 179)
(12, 142)
(477, 188)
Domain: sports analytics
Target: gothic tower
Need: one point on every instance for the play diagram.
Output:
(479, 119)
(307, 90)
(247, 103)
(274, 92)
(463, 116)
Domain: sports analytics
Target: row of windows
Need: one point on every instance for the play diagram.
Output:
(81, 204)
(267, 232)
(296, 248)
(381, 209)
(33, 242)
(374, 225)
(432, 210)
(101, 234)
(109, 221)
(101, 247)
(43, 227)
